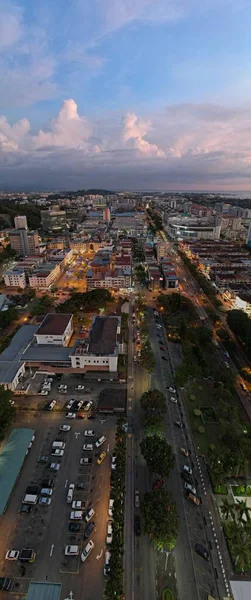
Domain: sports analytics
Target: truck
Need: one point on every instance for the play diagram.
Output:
(27, 555)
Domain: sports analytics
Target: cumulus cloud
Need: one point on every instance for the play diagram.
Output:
(190, 145)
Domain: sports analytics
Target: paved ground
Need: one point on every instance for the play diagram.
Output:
(45, 529)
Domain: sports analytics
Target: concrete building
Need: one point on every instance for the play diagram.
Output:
(20, 222)
(24, 242)
(111, 279)
(107, 215)
(161, 249)
(44, 276)
(55, 329)
(100, 352)
(15, 278)
(53, 220)
(186, 228)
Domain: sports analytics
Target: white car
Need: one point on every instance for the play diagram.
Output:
(12, 555)
(90, 513)
(44, 392)
(64, 428)
(113, 465)
(109, 533)
(70, 415)
(190, 488)
(89, 433)
(85, 461)
(52, 404)
(57, 452)
(70, 492)
(71, 551)
(79, 387)
(88, 447)
(43, 501)
(172, 399)
(187, 469)
(77, 504)
(48, 380)
(101, 441)
(70, 404)
(171, 389)
(76, 515)
(87, 550)
(110, 508)
(79, 404)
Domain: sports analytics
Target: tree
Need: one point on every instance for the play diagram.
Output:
(157, 454)
(227, 509)
(153, 405)
(147, 357)
(42, 305)
(161, 521)
(242, 510)
(7, 412)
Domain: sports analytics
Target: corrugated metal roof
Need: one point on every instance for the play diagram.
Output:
(43, 591)
(11, 461)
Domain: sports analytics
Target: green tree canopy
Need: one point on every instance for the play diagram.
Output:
(147, 357)
(153, 405)
(158, 454)
(161, 521)
(7, 412)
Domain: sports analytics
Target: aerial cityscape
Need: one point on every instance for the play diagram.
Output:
(125, 300)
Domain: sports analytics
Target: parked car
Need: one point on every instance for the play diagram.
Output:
(85, 461)
(88, 447)
(187, 469)
(173, 399)
(57, 452)
(100, 441)
(77, 504)
(70, 404)
(70, 415)
(88, 530)
(179, 424)
(87, 550)
(113, 464)
(202, 551)
(12, 555)
(5, 583)
(90, 513)
(42, 459)
(137, 499)
(190, 488)
(101, 457)
(52, 404)
(110, 507)
(109, 533)
(171, 389)
(71, 550)
(44, 501)
(74, 527)
(54, 466)
(65, 428)
(89, 433)
(76, 515)
(80, 486)
(184, 451)
(158, 484)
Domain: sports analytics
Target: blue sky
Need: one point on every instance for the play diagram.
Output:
(127, 88)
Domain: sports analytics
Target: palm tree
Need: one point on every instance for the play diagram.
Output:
(228, 509)
(242, 510)
(243, 556)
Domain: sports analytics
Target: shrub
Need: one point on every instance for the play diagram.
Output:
(201, 429)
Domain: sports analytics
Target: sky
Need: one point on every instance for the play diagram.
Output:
(125, 94)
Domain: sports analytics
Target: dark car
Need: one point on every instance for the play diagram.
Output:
(201, 551)
(48, 483)
(74, 527)
(179, 424)
(80, 486)
(91, 417)
(89, 529)
(42, 459)
(25, 509)
(163, 358)
(5, 583)
(137, 527)
(158, 484)
(187, 477)
(32, 489)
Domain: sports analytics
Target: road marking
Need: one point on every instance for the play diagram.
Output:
(99, 555)
(52, 548)
(108, 448)
(66, 483)
(77, 433)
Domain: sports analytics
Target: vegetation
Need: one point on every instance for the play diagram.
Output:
(6, 254)
(167, 594)
(6, 339)
(156, 221)
(140, 274)
(237, 528)
(153, 406)
(7, 317)
(92, 300)
(161, 521)
(158, 455)
(138, 251)
(240, 324)
(114, 584)
(42, 305)
(31, 211)
(178, 314)
(7, 411)
(204, 283)
(147, 357)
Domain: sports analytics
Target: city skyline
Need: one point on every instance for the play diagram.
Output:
(125, 95)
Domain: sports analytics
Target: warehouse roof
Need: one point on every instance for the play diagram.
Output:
(11, 460)
(43, 591)
(54, 324)
(19, 343)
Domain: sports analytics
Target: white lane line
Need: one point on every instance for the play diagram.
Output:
(52, 548)
(108, 448)
(99, 555)
(66, 483)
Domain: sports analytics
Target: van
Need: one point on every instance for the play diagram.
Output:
(192, 498)
(30, 499)
(203, 552)
(70, 493)
(59, 445)
(106, 565)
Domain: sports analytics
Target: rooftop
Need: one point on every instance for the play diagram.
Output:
(54, 324)
(11, 460)
(43, 591)
(103, 336)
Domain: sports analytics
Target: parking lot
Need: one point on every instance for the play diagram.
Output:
(46, 528)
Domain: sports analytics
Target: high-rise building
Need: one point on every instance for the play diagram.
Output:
(107, 215)
(20, 222)
(24, 242)
(53, 220)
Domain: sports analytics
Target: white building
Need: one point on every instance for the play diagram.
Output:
(100, 352)
(15, 278)
(21, 222)
(55, 329)
(45, 276)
